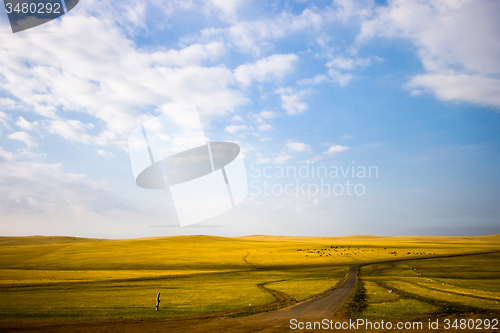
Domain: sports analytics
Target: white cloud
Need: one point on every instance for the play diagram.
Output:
(26, 125)
(460, 87)
(234, 129)
(103, 152)
(281, 158)
(228, 8)
(339, 64)
(9, 104)
(341, 79)
(262, 118)
(6, 156)
(344, 10)
(270, 68)
(194, 54)
(114, 82)
(3, 119)
(24, 137)
(297, 147)
(264, 127)
(252, 36)
(267, 114)
(72, 130)
(335, 149)
(292, 101)
(458, 43)
(317, 79)
(176, 6)
(348, 63)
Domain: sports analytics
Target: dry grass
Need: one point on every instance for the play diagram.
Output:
(73, 278)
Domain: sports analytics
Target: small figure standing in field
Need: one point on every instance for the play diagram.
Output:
(157, 301)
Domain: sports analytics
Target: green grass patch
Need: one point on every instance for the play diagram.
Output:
(307, 283)
(401, 309)
(377, 294)
(443, 296)
(433, 287)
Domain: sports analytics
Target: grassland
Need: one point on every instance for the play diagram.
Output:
(413, 289)
(93, 279)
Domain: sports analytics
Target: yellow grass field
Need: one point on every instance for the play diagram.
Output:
(92, 279)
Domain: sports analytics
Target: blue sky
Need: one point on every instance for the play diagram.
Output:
(411, 87)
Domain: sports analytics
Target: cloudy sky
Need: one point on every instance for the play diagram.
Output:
(410, 88)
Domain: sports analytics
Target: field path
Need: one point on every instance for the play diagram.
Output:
(279, 296)
(317, 309)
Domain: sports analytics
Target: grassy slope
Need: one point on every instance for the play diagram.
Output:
(422, 288)
(74, 278)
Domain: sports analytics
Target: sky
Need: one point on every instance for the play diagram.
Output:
(353, 117)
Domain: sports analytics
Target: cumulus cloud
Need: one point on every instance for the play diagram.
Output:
(8, 104)
(335, 149)
(228, 8)
(459, 87)
(262, 120)
(344, 10)
(253, 36)
(281, 158)
(114, 82)
(342, 79)
(317, 79)
(338, 66)
(267, 114)
(3, 119)
(297, 147)
(72, 130)
(194, 54)
(273, 67)
(341, 63)
(234, 129)
(24, 137)
(264, 127)
(26, 125)
(103, 152)
(458, 43)
(292, 101)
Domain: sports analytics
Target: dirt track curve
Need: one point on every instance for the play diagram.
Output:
(319, 308)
